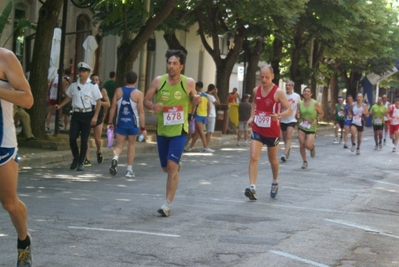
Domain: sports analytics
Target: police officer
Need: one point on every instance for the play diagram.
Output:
(82, 93)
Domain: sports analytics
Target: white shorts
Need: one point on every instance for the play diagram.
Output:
(243, 126)
(210, 126)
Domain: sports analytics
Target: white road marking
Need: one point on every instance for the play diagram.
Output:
(280, 253)
(122, 231)
(367, 229)
(381, 182)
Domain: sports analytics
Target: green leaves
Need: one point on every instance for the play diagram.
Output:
(4, 16)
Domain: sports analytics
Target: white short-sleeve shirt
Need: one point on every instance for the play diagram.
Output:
(83, 95)
(293, 99)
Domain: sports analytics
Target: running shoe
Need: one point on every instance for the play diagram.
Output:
(80, 167)
(357, 151)
(380, 146)
(250, 193)
(304, 165)
(394, 149)
(340, 140)
(165, 209)
(335, 139)
(112, 169)
(99, 157)
(48, 130)
(25, 258)
(74, 163)
(353, 147)
(239, 143)
(246, 143)
(274, 190)
(187, 149)
(313, 152)
(130, 174)
(87, 163)
(345, 146)
(376, 147)
(207, 149)
(283, 158)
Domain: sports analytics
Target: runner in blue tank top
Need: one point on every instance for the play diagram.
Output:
(130, 116)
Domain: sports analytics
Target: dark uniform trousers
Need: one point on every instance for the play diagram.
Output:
(80, 124)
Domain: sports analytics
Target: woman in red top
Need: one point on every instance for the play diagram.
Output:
(234, 97)
(265, 121)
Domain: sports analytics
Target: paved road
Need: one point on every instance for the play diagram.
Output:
(341, 211)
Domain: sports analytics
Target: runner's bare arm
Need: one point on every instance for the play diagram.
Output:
(150, 94)
(319, 110)
(192, 92)
(112, 109)
(282, 98)
(11, 70)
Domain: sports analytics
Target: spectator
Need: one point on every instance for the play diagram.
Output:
(213, 100)
(109, 86)
(24, 117)
(244, 113)
(98, 128)
(201, 118)
(234, 97)
(82, 93)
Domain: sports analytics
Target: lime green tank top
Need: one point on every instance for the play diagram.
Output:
(308, 115)
(172, 120)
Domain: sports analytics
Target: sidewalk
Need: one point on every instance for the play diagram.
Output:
(30, 156)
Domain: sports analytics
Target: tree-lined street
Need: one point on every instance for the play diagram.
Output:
(341, 211)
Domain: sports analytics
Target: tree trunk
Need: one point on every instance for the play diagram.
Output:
(128, 50)
(333, 91)
(295, 59)
(253, 60)
(173, 42)
(324, 103)
(48, 17)
(275, 62)
(224, 65)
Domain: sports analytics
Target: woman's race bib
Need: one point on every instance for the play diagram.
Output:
(173, 115)
(378, 121)
(357, 119)
(305, 124)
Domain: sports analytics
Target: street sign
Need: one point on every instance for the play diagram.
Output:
(240, 73)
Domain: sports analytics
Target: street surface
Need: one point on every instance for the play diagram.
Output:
(341, 211)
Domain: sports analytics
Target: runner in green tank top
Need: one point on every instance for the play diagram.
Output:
(339, 112)
(378, 111)
(173, 92)
(309, 113)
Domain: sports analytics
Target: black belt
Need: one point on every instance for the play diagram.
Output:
(82, 110)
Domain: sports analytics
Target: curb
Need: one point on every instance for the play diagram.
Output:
(42, 158)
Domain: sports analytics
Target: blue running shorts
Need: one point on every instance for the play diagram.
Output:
(170, 148)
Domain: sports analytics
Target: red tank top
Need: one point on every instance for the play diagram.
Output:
(264, 106)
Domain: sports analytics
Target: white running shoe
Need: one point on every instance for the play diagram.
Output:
(353, 147)
(187, 149)
(208, 150)
(130, 174)
(165, 209)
